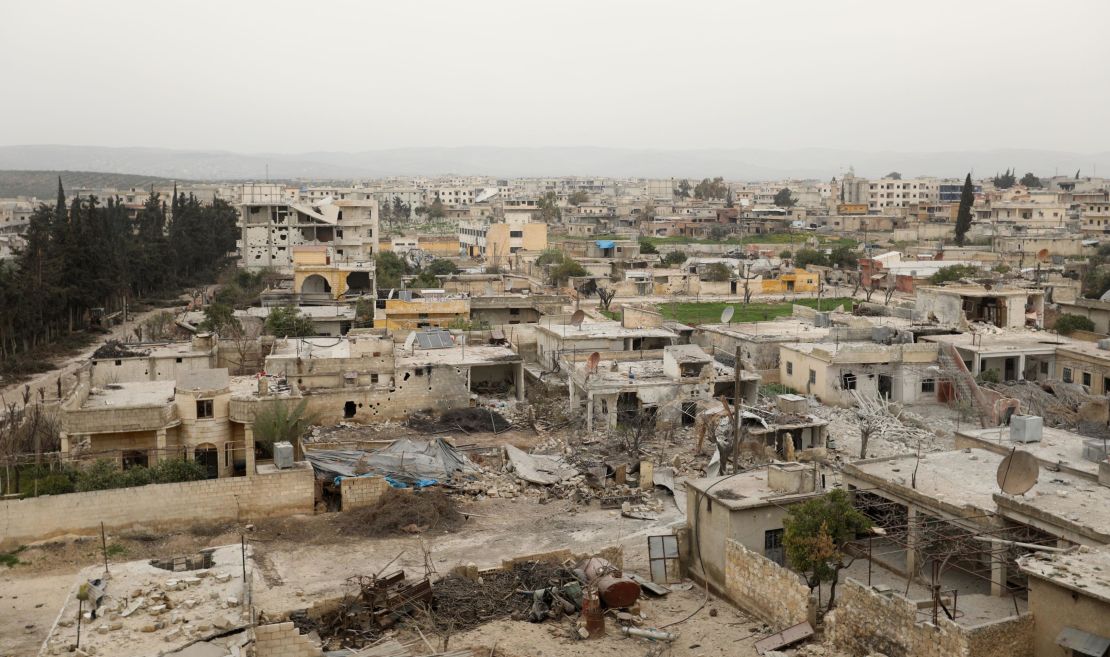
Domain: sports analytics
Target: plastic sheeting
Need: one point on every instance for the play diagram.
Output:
(404, 460)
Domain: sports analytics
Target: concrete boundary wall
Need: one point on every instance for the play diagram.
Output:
(764, 588)
(867, 621)
(270, 493)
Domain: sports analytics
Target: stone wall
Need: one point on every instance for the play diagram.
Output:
(359, 492)
(866, 622)
(282, 640)
(270, 493)
(758, 585)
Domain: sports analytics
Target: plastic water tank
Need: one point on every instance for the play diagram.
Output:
(283, 455)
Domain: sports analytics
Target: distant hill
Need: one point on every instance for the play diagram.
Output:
(732, 163)
(44, 184)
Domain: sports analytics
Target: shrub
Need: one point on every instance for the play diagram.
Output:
(1068, 324)
(647, 247)
(174, 470)
(674, 258)
(716, 272)
(953, 273)
(55, 483)
(101, 475)
(806, 257)
(785, 255)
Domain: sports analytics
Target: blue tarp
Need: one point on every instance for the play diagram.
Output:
(605, 244)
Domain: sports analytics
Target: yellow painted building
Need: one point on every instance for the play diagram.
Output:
(438, 245)
(315, 274)
(799, 280)
(401, 315)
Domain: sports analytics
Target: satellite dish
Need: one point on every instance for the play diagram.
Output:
(508, 285)
(391, 291)
(1042, 255)
(726, 314)
(592, 361)
(1017, 473)
(577, 317)
(411, 340)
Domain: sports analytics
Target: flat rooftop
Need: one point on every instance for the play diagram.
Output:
(312, 348)
(458, 355)
(1086, 570)
(1057, 447)
(1005, 342)
(979, 290)
(600, 330)
(962, 478)
(782, 330)
(130, 395)
(743, 491)
(1074, 502)
(338, 312)
(648, 372)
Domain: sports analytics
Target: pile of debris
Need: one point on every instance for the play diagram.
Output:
(371, 605)
(117, 349)
(403, 512)
(1060, 404)
(467, 420)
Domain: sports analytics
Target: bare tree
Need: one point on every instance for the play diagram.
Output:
(606, 296)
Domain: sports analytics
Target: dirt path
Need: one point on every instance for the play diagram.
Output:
(47, 381)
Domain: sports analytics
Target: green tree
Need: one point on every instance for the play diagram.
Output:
(711, 189)
(429, 276)
(1067, 324)
(220, 318)
(282, 421)
(389, 269)
(1031, 181)
(674, 258)
(785, 254)
(683, 190)
(816, 534)
(716, 273)
(953, 273)
(805, 257)
(1006, 180)
(893, 175)
(844, 257)
(549, 257)
(565, 270)
(784, 198)
(550, 211)
(578, 198)
(287, 321)
(963, 215)
(647, 247)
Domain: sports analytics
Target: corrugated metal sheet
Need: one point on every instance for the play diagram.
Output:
(1082, 642)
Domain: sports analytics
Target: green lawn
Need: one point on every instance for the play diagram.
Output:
(710, 312)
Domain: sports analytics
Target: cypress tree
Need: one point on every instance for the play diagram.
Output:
(963, 216)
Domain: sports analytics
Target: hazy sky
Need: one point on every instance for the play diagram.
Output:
(321, 75)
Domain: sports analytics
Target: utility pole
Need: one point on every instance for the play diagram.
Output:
(736, 414)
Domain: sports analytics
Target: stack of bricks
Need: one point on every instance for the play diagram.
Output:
(360, 492)
(282, 640)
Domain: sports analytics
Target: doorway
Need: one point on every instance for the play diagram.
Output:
(886, 386)
(349, 409)
(208, 457)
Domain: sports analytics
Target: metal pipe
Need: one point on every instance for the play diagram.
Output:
(658, 635)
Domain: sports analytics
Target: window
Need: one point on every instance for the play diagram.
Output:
(516, 233)
(373, 378)
(204, 408)
(514, 311)
(789, 368)
(928, 385)
(812, 376)
(772, 546)
(1087, 379)
(847, 381)
(1067, 375)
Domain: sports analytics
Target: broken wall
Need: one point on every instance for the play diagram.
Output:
(766, 589)
(270, 493)
(359, 492)
(282, 640)
(866, 622)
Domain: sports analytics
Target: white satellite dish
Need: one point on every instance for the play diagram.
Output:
(508, 285)
(410, 341)
(726, 314)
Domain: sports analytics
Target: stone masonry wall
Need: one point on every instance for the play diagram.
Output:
(867, 622)
(764, 588)
(270, 493)
(359, 492)
(282, 640)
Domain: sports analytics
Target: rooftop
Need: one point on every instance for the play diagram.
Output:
(1086, 570)
(312, 348)
(1057, 447)
(962, 478)
(743, 491)
(130, 395)
(966, 290)
(214, 379)
(1009, 341)
(776, 331)
(458, 355)
(592, 330)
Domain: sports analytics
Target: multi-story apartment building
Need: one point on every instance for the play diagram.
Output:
(949, 191)
(498, 240)
(893, 193)
(271, 225)
(1095, 218)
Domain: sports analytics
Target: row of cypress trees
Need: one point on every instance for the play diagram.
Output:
(89, 254)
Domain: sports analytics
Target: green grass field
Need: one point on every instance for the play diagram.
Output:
(710, 312)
